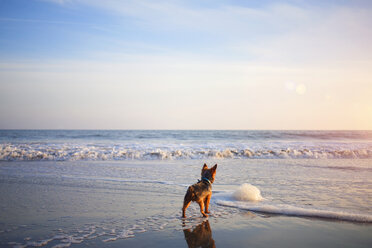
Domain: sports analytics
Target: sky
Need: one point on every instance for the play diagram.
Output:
(205, 64)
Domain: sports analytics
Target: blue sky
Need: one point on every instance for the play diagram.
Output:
(85, 29)
(185, 64)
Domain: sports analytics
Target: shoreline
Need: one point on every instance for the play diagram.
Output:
(138, 204)
(239, 230)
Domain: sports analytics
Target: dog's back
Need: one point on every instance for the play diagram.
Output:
(198, 191)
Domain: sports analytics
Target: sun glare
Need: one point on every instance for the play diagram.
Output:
(301, 89)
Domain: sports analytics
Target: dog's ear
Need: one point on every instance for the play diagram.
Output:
(214, 168)
(205, 167)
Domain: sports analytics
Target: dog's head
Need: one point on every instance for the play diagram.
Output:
(210, 174)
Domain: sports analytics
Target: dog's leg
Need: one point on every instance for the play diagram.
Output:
(206, 202)
(186, 204)
(186, 201)
(201, 205)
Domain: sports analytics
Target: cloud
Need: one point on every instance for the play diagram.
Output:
(281, 32)
(152, 91)
(195, 65)
(340, 35)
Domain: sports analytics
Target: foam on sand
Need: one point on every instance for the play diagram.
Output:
(299, 211)
(248, 197)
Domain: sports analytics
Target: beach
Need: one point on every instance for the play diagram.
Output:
(115, 115)
(56, 203)
(304, 202)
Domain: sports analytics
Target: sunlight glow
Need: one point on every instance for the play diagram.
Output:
(301, 89)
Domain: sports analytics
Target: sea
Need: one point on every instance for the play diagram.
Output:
(64, 145)
(78, 188)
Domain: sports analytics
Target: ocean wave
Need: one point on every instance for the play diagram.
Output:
(248, 197)
(289, 210)
(65, 152)
(186, 135)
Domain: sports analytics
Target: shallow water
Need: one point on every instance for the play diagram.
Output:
(81, 203)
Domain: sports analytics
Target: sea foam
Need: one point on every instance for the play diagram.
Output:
(248, 197)
(71, 152)
(247, 192)
(289, 210)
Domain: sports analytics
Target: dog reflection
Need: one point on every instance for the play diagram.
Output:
(200, 236)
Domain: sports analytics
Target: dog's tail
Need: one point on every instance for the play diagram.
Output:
(189, 194)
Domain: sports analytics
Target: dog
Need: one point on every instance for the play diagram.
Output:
(201, 191)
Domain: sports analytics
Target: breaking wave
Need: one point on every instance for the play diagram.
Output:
(65, 152)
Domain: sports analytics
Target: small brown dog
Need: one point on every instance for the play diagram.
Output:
(201, 192)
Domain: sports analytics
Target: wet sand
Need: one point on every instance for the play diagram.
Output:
(49, 210)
